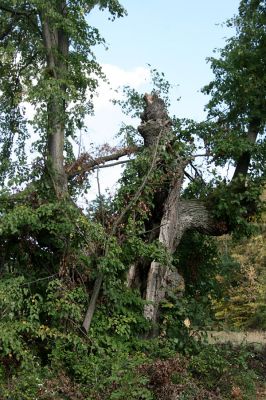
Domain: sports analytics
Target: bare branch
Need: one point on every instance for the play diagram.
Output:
(85, 163)
(189, 176)
(114, 164)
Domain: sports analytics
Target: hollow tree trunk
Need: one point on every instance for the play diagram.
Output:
(163, 277)
(166, 207)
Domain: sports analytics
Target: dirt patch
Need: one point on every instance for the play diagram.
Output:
(252, 337)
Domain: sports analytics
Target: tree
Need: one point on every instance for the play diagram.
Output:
(47, 60)
(141, 229)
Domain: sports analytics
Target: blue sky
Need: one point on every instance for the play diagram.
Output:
(175, 37)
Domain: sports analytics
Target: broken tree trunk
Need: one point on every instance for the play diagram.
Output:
(173, 215)
(162, 277)
(170, 217)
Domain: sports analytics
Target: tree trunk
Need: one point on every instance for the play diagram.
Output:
(56, 45)
(166, 207)
(163, 277)
(243, 162)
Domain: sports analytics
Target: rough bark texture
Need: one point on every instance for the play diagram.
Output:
(56, 45)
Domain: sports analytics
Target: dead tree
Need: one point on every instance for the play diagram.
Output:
(172, 215)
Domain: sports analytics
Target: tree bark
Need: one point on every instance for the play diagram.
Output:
(163, 277)
(56, 45)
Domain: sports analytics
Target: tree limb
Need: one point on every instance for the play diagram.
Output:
(113, 164)
(85, 163)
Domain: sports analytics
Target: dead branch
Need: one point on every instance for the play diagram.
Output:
(98, 282)
(86, 163)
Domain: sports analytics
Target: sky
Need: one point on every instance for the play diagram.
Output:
(173, 36)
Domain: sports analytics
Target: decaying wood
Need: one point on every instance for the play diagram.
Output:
(163, 277)
(86, 163)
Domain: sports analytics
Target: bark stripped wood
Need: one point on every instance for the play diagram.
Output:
(164, 277)
(86, 163)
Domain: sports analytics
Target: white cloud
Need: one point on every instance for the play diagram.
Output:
(119, 77)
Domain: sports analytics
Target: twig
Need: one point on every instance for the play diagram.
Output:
(113, 164)
(40, 279)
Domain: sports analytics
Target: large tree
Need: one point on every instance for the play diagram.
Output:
(47, 61)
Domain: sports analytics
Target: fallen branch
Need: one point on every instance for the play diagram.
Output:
(99, 280)
(86, 163)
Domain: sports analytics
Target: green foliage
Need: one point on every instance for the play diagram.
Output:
(240, 72)
(236, 205)
(241, 304)
(220, 367)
